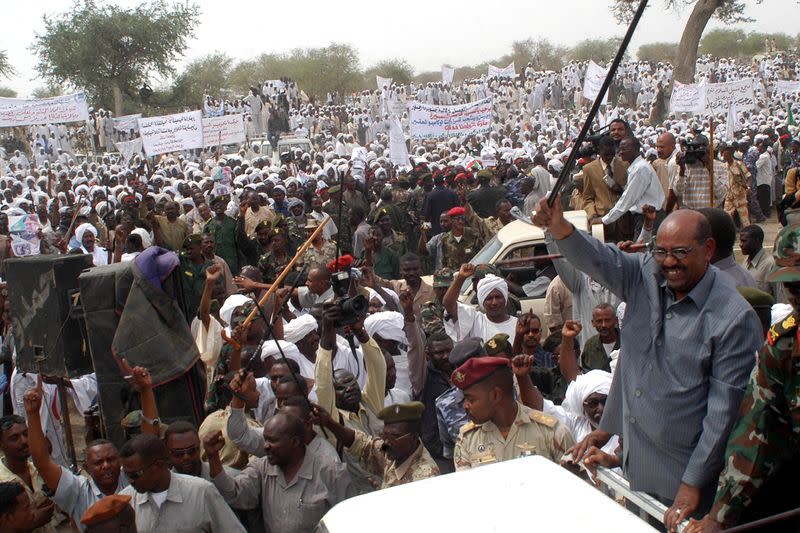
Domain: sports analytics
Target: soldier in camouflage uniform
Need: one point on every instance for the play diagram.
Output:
(461, 243)
(294, 232)
(763, 450)
(321, 252)
(431, 314)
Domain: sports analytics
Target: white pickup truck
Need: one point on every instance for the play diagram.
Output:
(525, 494)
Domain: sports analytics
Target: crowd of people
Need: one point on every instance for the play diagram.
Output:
(367, 367)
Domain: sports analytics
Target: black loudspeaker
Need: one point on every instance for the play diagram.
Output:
(45, 315)
(107, 293)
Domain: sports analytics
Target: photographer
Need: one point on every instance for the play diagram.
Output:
(693, 184)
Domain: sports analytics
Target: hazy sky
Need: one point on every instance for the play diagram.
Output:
(425, 33)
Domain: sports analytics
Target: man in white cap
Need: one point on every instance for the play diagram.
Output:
(486, 322)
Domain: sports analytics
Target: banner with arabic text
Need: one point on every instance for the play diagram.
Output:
(433, 121)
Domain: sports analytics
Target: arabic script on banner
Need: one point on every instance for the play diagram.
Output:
(433, 121)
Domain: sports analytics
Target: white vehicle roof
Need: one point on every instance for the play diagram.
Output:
(527, 494)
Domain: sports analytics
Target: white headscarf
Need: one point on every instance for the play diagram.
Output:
(230, 305)
(297, 329)
(489, 283)
(146, 240)
(389, 324)
(270, 349)
(99, 254)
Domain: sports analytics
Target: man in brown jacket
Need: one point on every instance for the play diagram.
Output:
(598, 196)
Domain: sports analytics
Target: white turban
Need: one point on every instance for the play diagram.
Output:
(81, 230)
(270, 349)
(489, 283)
(141, 232)
(297, 329)
(373, 294)
(230, 305)
(389, 324)
(584, 385)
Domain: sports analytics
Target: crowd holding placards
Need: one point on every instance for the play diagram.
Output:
(358, 372)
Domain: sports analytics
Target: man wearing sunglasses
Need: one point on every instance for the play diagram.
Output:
(397, 454)
(166, 501)
(686, 352)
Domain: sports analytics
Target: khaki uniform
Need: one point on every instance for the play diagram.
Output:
(313, 256)
(369, 450)
(532, 433)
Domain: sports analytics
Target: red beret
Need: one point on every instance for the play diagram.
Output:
(475, 370)
(105, 509)
(344, 261)
(456, 212)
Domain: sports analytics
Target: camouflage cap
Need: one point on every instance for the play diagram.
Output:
(442, 278)
(787, 255)
(755, 297)
(485, 268)
(499, 345)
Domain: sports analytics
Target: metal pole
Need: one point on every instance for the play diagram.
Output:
(612, 70)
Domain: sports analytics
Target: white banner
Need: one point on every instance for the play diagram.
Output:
(128, 149)
(127, 123)
(719, 96)
(227, 129)
(496, 72)
(396, 106)
(383, 82)
(786, 87)
(56, 110)
(24, 234)
(172, 133)
(593, 82)
(433, 121)
(447, 75)
(398, 151)
(731, 123)
(687, 98)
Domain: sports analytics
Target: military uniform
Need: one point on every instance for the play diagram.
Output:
(371, 451)
(762, 454)
(532, 433)
(345, 234)
(314, 256)
(431, 318)
(397, 243)
(457, 252)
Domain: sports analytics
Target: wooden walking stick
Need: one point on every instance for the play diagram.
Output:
(285, 272)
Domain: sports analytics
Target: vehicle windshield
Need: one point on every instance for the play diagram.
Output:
(483, 256)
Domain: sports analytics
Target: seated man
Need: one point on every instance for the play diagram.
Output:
(596, 353)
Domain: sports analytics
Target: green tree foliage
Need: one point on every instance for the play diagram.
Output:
(399, 70)
(6, 70)
(47, 91)
(736, 42)
(598, 50)
(5, 92)
(540, 53)
(657, 52)
(206, 75)
(110, 51)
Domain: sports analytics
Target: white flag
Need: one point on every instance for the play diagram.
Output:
(383, 82)
(730, 126)
(447, 75)
(398, 151)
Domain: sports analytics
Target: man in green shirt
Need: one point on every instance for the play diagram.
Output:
(384, 261)
(223, 228)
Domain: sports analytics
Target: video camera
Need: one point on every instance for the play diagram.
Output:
(694, 151)
(592, 141)
(353, 308)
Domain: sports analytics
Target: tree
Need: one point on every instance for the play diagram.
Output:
(540, 53)
(5, 92)
(728, 11)
(598, 50)
(47, 91)
(109, 51)
(723, 42)
(6, 70)
(399, 70)
(657, 52)
(206, 75)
